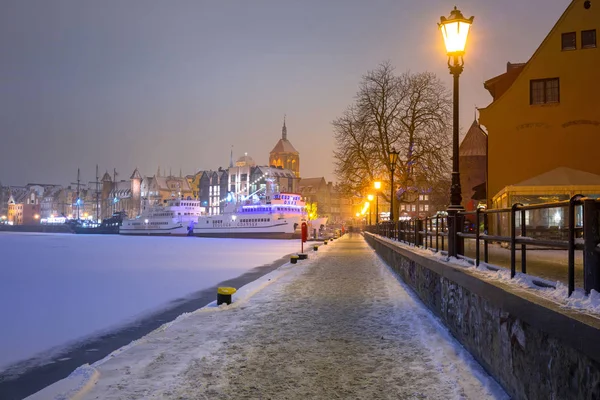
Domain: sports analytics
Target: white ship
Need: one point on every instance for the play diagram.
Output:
(279, 217)
(175, 217)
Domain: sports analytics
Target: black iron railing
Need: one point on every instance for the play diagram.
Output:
(432, 233)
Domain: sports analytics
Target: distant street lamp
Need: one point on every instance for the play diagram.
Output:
(393, 161)
(455, 31)
(370, 197)
(377, 185)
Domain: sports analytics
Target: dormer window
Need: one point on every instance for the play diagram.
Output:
(569, 41)
(588, 39)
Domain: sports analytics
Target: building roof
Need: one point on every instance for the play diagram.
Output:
(136, 174)
(245, 160)
(311, 185)
(500, 84)
(562, 176)
(284, 146)
(474, 142)
(276, 172)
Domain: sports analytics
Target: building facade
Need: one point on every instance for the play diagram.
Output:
(544, 114)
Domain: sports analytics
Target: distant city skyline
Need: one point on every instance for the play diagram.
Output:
(146, 83)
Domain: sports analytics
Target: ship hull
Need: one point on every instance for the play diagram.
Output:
(174, 231)
(113, 230)
(248, 235)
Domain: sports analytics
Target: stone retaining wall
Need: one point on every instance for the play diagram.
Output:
(534, 349)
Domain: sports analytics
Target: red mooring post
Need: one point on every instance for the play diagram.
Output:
(304, 236)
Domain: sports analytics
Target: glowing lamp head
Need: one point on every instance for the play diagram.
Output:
(455, 31)
(357, 214)
(233, 217)
(370, 197)
(146, 221)
(377, 185)
(393, 157)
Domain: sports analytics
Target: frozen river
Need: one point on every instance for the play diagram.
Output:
(57, 288)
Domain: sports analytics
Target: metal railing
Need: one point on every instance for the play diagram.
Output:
(432, 233)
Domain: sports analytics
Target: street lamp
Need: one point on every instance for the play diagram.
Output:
(455, 31)
(393, 160)
(370, 197)
(377, 185)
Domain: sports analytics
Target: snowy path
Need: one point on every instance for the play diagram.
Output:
(339, 326)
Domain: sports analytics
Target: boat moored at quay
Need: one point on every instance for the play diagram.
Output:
(277, 217)
(174, 217)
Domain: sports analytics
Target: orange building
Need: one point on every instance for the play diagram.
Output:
(23, 208)
(545, 113)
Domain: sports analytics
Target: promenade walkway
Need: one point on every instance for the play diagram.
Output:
(336, 326)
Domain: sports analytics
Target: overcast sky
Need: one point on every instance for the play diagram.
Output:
(148, 83)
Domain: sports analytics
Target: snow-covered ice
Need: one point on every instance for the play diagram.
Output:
(339, 325)
(56, 288)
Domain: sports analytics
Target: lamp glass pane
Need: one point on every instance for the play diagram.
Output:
(455, 36)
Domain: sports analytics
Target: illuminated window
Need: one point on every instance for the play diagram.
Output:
(426, 207)
(544, 91)
(569, 41)
(588, 39)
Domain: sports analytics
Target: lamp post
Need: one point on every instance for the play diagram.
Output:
(370, 198)
(455, 31)
(393, 160)
(377, 185)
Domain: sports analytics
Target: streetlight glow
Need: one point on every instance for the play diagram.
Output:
(377, 185)
(455, 31)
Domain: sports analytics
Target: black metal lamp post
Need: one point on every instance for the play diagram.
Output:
(377, 186)
(393, 160)
(370, 198)
(455, 31)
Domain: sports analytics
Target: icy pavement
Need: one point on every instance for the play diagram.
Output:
(339, 325)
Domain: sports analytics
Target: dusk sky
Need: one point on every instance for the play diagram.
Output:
(148, 83)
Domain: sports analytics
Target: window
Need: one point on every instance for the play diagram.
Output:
(588, 39)
(543, 91)
(569, 41)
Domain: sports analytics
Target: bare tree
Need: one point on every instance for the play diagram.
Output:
(409, 112)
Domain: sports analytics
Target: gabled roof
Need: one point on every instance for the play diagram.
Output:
(474, 142)
(562, 176)
(314, 183)
(284, 146)
(106, 177)
(502, 83)
(136, 174)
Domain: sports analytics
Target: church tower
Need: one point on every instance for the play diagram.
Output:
(284, 154)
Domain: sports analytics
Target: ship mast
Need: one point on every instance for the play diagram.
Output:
(78, 201)
(97, 196)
